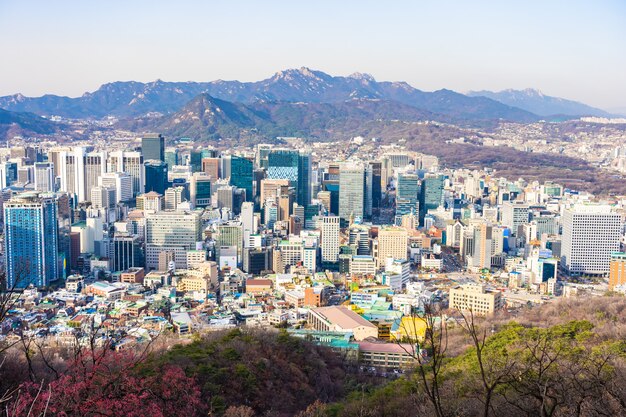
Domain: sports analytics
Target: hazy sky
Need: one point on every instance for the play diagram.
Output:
(571, 49)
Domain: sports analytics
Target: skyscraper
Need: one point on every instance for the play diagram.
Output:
(173, 231)
(330, 238)
(130, 163)
(44, 176)
(155, 176)
(407, 194)
(431, 196)
(591, 233)
(31, 240)
(95, 166)
(200, 190)
(153, 147)
(294, 166)
(241, 170)
(355, 192)
(121, 182)
(514, 214)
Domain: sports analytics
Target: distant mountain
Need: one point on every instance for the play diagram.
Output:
(131, 99)
(24, 124)
(536, 102)
(206, 117)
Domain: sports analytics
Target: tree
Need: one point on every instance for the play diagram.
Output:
(434, 345)
(111, 386)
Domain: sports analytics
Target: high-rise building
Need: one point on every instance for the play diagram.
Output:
(431, 195)
(376, 168)
(72, 172)
(230, 235)
(95, 166)
(211, 167)
(392, 243)
(355, 190)
(103, 197)
(121, 182)
(241, 170)
(31, 240)
(125, 252)
(294, 166)
(195, 160)
(44, 176)
(591, 233)
(617, 274)
(407, 194)
(262, 155)
(226, 197)
(171, 157)
(247, 220)
(514, 214)
(174, 231)
(200, 190)
(153, 148)
(130, 163)
(330, 238)
(173, 197)
(155, 176)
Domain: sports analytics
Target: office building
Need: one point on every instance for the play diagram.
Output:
(330, 238)
(617, 273)
(407, 194)
(121, 182)
(155, 176)
(294, 166)
(431, 195)
(355, 192)
(173, 197)
(514, 215)
(476, 299)
(44, 176)
(241, 170)
(200, 190)
(392, 243)
(31, 240)
(172, 231)
(591, 233)
(153, 148)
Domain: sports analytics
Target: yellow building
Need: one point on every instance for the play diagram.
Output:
(392, 243)
(475, 298)
(409, 328)
(617, 271)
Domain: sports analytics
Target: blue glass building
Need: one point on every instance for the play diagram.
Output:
(241, 175)
(31, 240)
(294, 166)
(407, 191)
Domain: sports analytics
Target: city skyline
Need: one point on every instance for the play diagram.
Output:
(566, 50)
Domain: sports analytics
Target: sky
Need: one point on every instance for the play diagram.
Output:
(571, 49)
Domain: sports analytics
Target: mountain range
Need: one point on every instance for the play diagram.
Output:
(23, 123)
(132, 99)
(294, 102)
(540, 104)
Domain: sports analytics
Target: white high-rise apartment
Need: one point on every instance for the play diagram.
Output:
(330, 238)
(590, 234)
